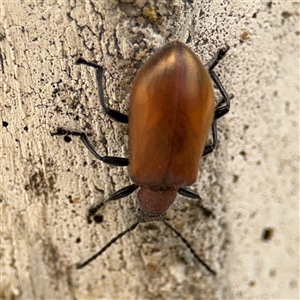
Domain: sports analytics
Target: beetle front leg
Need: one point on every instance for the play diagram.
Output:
(186, 192)
(124, 192)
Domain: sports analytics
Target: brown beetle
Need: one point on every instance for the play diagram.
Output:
(171, 111)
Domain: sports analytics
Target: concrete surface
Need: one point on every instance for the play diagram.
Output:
(251, 181)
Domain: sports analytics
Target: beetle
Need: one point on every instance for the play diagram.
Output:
(171, 111)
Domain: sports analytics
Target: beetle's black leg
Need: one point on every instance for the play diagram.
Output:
(210, 148)
(224, 109)
(186, 192)
(113, 114)
(112, 160)
(124, 192)
(220, 54)
(220, 111)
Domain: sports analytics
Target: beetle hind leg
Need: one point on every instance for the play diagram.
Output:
(113, 114)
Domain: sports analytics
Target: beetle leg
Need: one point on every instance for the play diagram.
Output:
(220, 111)
(113, 114)
(224, 109)
(186, 192)
(124, 192)
(210, 148)
(112, 160)
(221, 53)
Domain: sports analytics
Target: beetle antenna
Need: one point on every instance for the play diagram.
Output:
(93, 257)
(211, 271)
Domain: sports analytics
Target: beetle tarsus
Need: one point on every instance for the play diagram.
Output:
(222, 52)
(61, 131)
(93, 210)
(82, 61)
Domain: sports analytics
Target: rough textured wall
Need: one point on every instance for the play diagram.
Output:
(250, 182)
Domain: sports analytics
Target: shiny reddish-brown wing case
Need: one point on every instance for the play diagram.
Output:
(170, 113)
